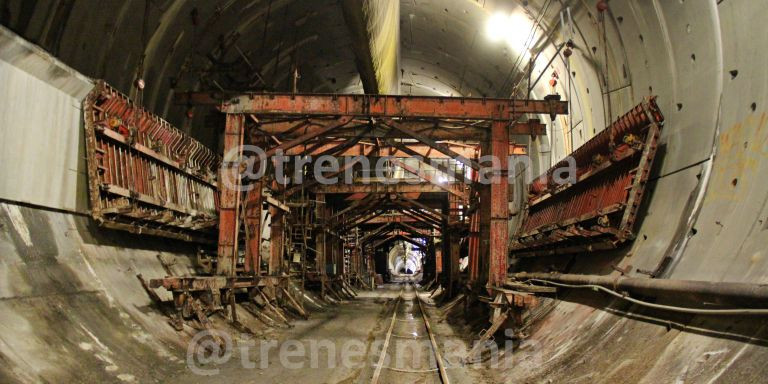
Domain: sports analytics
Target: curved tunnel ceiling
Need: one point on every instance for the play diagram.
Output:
(254, 44)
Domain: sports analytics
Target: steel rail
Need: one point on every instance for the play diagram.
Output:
(384, 348)
(435, 349)
(438, 356)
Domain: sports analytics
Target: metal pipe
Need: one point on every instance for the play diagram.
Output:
(531, 86)
(711, 292)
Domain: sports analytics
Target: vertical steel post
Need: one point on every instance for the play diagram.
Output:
(276, 241)
(499, 206)
(453, 246)
(474, 246)
(337, 246)
(229, 200)
(320, 238)
(481, 263)
(253, 207)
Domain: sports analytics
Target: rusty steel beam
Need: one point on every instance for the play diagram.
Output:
(396, 232)
(359, 220)
(324, 130)
(598, 211)
(229, 200)
(437, 130)
(474, 246)
(413, 149)
(453, 245)
(253, 207)
(396, 237)
(380, 188)
(361, 204)
(389, 227)
(440, 167)
(416, 204)
(434, 144)
(387, 106)
(499, 207)
(214, 283)
(414, 229)
(276, 241)
(421, 220)
(375, 232)
(394, 218)
(310, 184)
(144, 175)
(359, 209)
(463, 194)
(427, 219)
(320, 236)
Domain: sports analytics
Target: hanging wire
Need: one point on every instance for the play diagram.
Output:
(526, 46)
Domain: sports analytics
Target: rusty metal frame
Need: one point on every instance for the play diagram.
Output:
(303, 124)
(144, 175)
(388, 106)
(598, 212)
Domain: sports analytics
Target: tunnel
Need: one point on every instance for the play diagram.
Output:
(621, 238)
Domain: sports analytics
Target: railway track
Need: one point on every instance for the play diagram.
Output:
(409, 327)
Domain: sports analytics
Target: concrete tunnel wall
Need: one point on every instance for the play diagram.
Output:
(71, 306)
(706, 211)
(705, 208)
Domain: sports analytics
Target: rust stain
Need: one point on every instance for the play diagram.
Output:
(742, 149)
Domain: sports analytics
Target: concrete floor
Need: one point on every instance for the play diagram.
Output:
(354, 329)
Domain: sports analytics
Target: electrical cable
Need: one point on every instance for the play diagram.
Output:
(696, 311)
(526, 46)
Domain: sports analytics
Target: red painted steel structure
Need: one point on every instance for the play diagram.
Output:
(453, 242)
(388, 188)
(416, 149)
(399, 116)
(229, 211)
(388, 106)
(289, 126)
(494, 204)
(598, 211)
(144, 175)
(253, 208)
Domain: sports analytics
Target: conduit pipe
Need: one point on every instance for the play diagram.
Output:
(725, 293)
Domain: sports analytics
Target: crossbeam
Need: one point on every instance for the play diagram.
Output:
(380, 188)
(388, 106)
(437, 129)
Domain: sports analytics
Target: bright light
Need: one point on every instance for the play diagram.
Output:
(513, 29)
(498, 27)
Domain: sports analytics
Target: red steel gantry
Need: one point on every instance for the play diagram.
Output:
(301, 120)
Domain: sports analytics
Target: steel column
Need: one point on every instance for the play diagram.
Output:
(229, 201)
(276, 241)
(320, 251)
(453, 243)
(474, 246)
(499, 206)
(253, 208)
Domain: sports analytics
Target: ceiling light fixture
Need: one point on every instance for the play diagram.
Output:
(514, 29)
